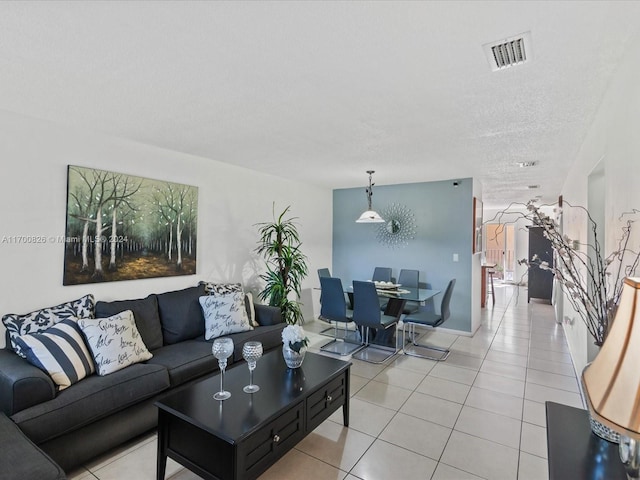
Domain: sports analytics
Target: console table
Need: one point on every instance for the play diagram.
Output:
(241, 437)
(573, 451)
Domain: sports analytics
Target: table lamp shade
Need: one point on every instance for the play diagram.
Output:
(612, 381)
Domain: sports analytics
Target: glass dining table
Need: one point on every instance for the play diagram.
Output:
(399, 296)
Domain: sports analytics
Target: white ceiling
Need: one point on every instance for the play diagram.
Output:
(323, 91)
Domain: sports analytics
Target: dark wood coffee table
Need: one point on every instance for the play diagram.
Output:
(241, 437)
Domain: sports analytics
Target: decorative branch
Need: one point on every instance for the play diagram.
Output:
(586, 277)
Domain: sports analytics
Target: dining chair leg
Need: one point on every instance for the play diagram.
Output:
(378, 353)
(341, 347)
(420, 349)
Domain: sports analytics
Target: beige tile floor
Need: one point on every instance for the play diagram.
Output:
(479, 415)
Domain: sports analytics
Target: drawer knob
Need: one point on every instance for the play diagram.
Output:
(276, 438)
(329, 398)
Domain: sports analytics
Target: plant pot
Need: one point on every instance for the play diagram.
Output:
(292, 358)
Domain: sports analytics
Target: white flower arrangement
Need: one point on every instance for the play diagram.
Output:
(294, 336)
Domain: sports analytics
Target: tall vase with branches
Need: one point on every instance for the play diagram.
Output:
(279, 245)
(592, 282)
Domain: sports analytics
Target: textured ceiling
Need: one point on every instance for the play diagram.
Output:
(323, 91)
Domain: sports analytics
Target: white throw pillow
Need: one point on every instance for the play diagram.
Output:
(114, 342)
(224, 314)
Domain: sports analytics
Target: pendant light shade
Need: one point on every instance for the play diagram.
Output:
(370, 215)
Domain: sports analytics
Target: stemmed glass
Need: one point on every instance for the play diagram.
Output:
(251, 351)
(222, 349)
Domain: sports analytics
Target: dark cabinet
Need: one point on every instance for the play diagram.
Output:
(324, 402)
(540, 281)
(260, 450)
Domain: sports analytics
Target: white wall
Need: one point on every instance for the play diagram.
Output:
(34, 157)
(613, 138)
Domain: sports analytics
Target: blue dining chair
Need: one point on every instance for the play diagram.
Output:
(430, 320)
(367, 316)
(334, 309)
(381, 274)
(409, 279)
(323, 272)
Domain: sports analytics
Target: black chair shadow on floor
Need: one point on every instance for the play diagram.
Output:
(334, 309)
(430, 320)
(367, 316)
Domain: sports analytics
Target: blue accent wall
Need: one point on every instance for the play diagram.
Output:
(444, 218)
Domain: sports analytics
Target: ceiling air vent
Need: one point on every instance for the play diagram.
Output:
(511, 51)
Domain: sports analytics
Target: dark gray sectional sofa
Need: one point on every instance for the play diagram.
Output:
(101, 412)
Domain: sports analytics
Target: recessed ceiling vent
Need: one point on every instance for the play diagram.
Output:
(509, 52)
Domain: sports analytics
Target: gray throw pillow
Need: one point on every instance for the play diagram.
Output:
(145, 311)
(180, 314)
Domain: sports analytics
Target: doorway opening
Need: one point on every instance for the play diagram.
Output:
(501, 249)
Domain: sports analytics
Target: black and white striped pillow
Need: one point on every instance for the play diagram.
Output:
(59, 351)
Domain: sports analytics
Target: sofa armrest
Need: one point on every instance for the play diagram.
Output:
(267, 315)
(21, 384)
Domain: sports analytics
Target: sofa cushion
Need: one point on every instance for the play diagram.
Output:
(185, 360)
(180, 314)
(59, 351)
(91, 399)
(115, 342)
(145, 311)
(267, 315)
(224, 314)
(270, 336)
(20, 459)
(44, 318)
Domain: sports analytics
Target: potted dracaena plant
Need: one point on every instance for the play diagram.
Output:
(279, 245)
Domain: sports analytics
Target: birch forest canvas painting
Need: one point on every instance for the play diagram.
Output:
(122, 227)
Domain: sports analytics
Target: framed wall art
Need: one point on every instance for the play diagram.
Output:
(477, 225)
(123, 227)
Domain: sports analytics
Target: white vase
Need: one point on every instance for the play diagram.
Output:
(292, 358)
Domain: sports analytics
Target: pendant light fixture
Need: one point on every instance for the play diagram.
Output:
(370, 216)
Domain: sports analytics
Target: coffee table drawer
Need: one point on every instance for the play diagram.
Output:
(321, 404)
(263, 447)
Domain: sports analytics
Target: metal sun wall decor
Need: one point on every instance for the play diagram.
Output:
(399, 227)
(121, 227)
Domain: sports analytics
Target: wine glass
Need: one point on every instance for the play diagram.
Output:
(222, 349)
(251, 351)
